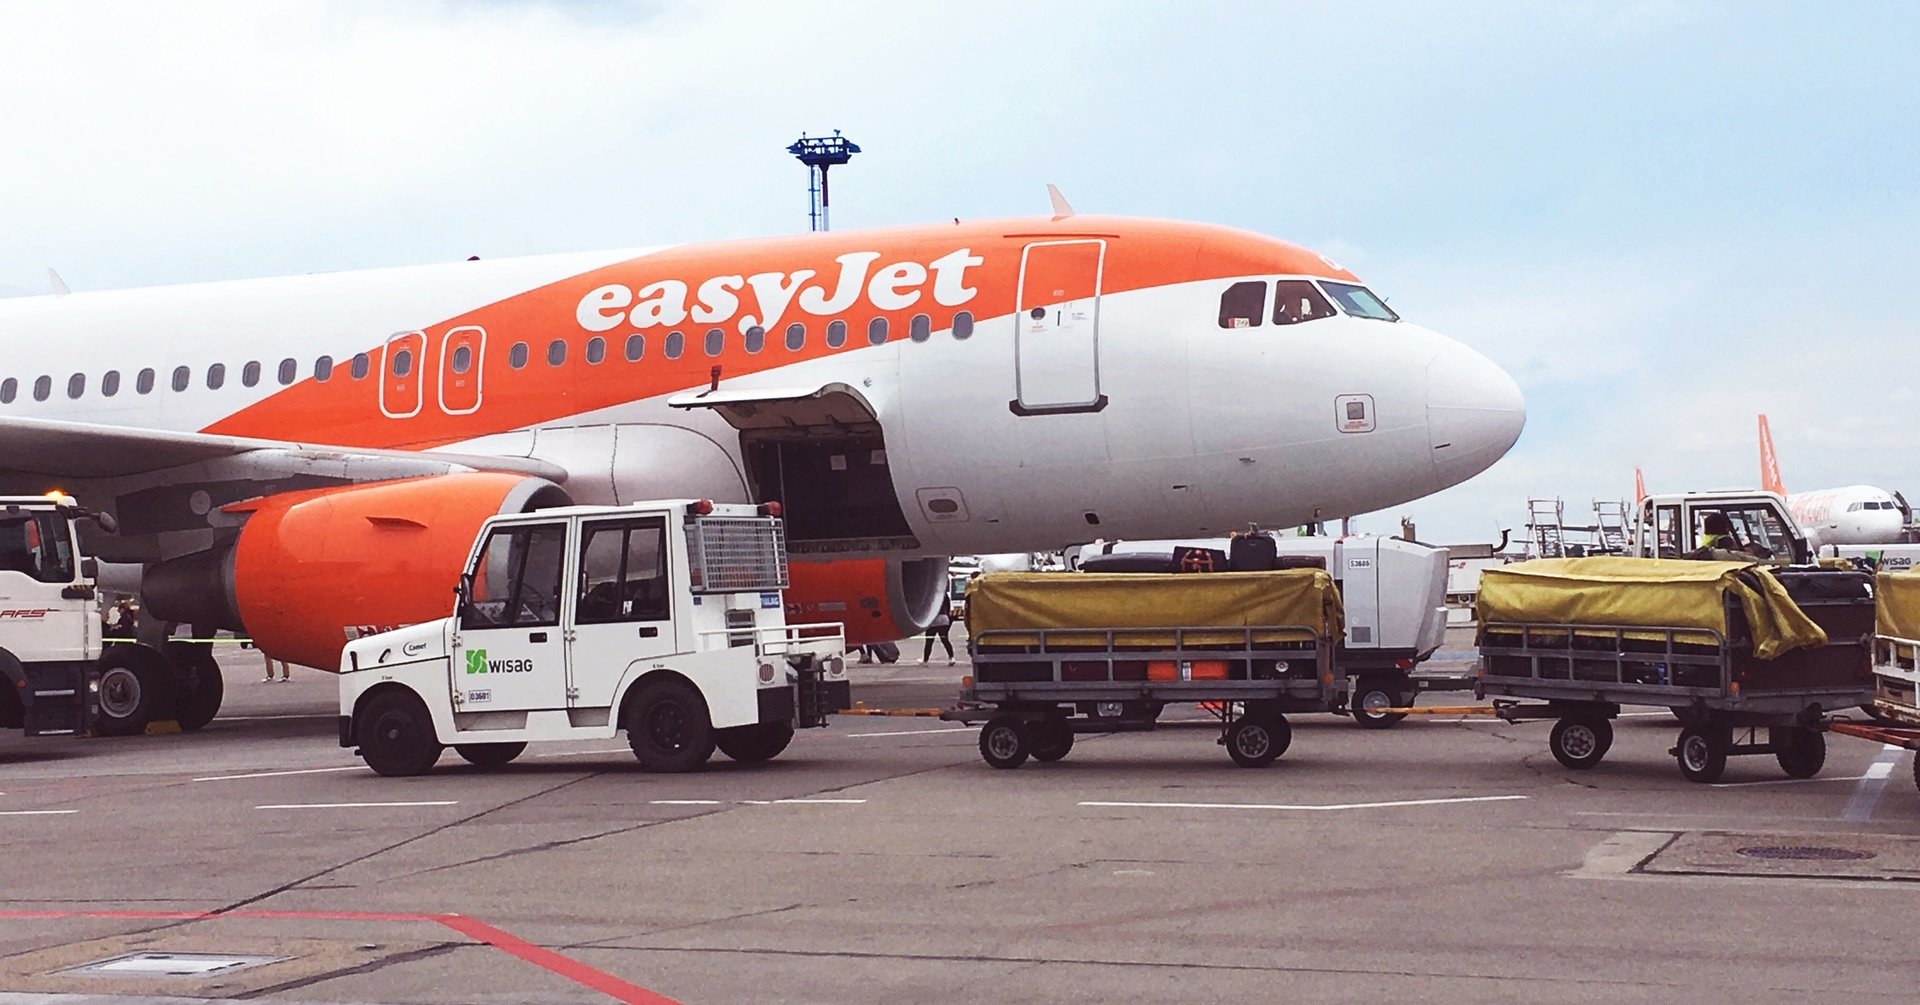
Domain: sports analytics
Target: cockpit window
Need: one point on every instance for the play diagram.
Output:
(1359, 301)
(1243, 305)
(1297, 300)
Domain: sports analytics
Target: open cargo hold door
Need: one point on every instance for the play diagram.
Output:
(819, 452)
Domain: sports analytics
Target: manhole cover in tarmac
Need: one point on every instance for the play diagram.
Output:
(1804, 853)
(171, 965)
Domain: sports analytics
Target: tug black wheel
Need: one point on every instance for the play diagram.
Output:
(668, 727)
(396, 735)
(762, 741)
(489, 755)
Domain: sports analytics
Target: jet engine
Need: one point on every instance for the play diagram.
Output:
(877, 599)
(311, 569)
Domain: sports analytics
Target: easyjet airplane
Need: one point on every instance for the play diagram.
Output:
(306, 458)
(1855, 514)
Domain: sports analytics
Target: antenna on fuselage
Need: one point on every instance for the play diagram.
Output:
(1061, 208)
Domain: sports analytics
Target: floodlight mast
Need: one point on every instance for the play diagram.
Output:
(819, 153)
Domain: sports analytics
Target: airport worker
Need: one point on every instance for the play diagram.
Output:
(942, 624)
(1717, 532)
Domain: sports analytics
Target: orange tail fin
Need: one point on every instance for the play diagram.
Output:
(1639, 486)
(1769, 462)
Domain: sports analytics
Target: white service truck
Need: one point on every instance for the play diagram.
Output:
(1674, 525)
(663, 619)
(1392, 591)
(60, 675)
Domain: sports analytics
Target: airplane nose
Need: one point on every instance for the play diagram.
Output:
(1474, 413)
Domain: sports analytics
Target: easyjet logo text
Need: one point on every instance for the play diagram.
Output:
(30, 615)
(717, 301)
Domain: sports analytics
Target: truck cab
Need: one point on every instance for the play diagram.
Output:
(1674, 526)
(662, 619)
(49, 620)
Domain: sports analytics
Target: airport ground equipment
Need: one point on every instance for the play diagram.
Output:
(1896, 667)
(59, 675)
(1728, 646)
(662, 619)
(1056, 655)
(1393, 597)
(1672, 525)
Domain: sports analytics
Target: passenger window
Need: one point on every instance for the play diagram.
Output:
(1297, 300)
(517, 356)
(716, 341)
(182, 376)
(556, 352)
(362, 365)
(110, 383)
(216, 376)
(402, 362)
(636, 348)
(756, 339)
(42, 388)
(596, 350)
(920, 328)
(8, 389)
(963, 325)
(144, 382)
(796, 336)
(676, 343)
(623, 572)
(323, 369)
(76, 385)
(877, 331)
(1243, 305)
(518, 581)
(250, 374)
(836, 334)
(288, 371)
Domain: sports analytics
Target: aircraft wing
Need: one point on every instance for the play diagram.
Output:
(34, 451)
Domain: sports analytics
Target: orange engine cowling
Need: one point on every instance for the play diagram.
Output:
(877, 599)
(312, 569)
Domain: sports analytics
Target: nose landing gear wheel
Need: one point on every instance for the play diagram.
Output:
(1004, 742)
(1702, 753)
(1579, 742)
(1257, 741)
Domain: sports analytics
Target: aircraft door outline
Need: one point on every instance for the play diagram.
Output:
(1057, 328)
(400, 375)
(461, 386)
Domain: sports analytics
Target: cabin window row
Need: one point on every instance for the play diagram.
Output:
(919, 329)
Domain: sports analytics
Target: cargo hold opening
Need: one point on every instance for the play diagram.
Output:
(820, 453)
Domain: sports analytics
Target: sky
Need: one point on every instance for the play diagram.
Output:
(1661, 217)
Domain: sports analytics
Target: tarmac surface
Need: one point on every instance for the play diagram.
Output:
(880, 860)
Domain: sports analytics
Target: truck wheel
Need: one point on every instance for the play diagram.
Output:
(1369, 702)
(1003, 742)
(1801, 751)
(759, 742)
(1256, 741)
(396, 735)
(489, 755)
(1580, 741)
(1702, 752)
(198, 686)
(131, 691)
(1052, 741)
(13, 712)
(668, 727)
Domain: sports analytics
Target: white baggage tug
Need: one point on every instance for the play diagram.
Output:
(670, 626)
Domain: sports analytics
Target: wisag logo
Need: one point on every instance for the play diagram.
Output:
(477, 662)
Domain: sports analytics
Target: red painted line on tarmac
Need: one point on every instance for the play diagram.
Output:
(479, 931)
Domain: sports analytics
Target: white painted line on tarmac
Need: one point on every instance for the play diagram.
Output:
(36, 813)
(1880, 769)
(1867, 796)
(587, 753)
(684, 802)
(353, 806)
(281, 774)
(915, 732)
(1787, 781)
(274, 718)
(1290, 806)
(820, 802)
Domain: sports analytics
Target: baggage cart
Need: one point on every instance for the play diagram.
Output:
(1732, 648)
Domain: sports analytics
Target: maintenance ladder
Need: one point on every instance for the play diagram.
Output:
(1546, 519)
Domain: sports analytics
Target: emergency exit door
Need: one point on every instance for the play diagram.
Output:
(1057, 328)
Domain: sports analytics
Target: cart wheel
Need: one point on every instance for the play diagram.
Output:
(1801, 751)
(1003, 742)
(1702, 752)
(1369, 702)
(1255, 741)
(1580, 741)
(1052, 741)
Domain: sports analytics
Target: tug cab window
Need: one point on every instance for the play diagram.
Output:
(517, 580)
(1359, 301)
(1297, 300)
(1757, 528)
(36, 545)
(623, 572)
(1243, 305)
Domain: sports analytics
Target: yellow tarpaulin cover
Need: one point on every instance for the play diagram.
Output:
(1647, 593)
(1897, 604)
(1090, 600)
